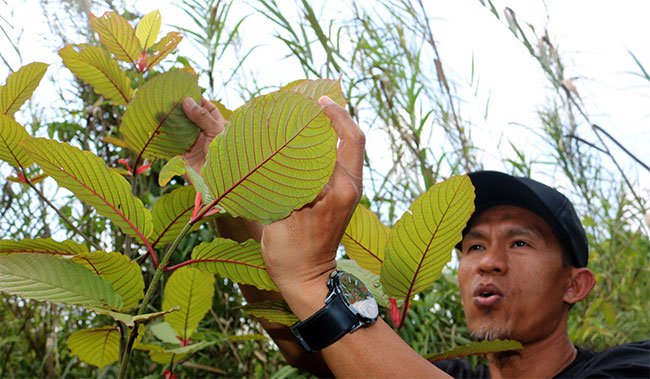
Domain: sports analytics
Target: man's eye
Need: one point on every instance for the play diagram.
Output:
(475, 247)
(520, 244)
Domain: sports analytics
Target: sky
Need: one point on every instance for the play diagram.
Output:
(593, 36)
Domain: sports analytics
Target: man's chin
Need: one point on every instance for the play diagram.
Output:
(490, 333)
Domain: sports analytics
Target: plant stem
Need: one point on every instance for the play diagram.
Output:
(133, 334)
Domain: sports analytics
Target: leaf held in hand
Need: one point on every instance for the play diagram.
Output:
(275, 155)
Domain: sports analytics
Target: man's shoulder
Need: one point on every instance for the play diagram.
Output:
(630, 360)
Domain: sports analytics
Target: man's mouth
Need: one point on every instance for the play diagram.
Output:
(487, 295)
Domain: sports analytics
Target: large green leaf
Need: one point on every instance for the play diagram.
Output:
(42, 246)
(423, 238)
(192, 290)
(274, 311)
(19, 87)
(170, 214)
(148, 29)
(86, 176)
(241, 263)
(162, 48)
(94, 66)
(154, 124)
(123, 274)
(117, 35)
(51, 278)
(365, 239)
(275, 155)
(99, 346)
(476, 348)
(317, 88)
(11, 133)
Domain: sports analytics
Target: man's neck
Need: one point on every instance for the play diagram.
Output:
(542, 359)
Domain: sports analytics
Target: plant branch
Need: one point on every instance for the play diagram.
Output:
(133, 334)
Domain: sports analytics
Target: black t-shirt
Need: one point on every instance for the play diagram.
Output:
(630, 360)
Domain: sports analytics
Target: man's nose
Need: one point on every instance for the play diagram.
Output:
(494, 260)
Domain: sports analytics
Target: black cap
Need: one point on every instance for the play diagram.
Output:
(496, 188)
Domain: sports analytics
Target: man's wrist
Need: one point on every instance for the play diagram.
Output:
(306, 298)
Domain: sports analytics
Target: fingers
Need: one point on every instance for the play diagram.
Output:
(206, 116)
(349, 155)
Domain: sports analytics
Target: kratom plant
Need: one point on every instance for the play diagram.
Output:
(274, 156)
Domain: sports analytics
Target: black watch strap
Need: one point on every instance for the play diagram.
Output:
(326, 326)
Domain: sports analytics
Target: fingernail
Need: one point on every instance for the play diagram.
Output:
(325, 101)
(189, 102)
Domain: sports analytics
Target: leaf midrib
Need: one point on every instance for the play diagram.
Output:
(110, 205)
(420, 264)
(373, 255)
(160, 124)
(32, 80)
(261, 164)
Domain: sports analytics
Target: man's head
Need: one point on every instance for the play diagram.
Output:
(523, 259)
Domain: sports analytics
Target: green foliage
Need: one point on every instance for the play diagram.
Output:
(50, 278)
(365, 239)
(154, 124)
(98, 346)
(191, 290)
(241, 263)
(87, 176)
(421, 241)
(20, 86)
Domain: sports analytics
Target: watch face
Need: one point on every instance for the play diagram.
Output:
(358, 295)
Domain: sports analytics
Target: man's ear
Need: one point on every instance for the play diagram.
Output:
(582, 281)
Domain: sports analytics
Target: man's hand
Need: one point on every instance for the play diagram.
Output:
(299, 251)
(208, 118)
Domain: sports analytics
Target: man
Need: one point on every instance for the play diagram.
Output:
(522, 266)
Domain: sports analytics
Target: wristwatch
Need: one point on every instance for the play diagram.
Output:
(349, 305)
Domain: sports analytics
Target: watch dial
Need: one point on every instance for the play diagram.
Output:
(358, 295)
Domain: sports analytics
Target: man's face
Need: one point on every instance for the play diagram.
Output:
(511, 276)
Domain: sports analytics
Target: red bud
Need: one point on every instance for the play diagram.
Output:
(197, 205)
(142, 62)
(394, 313)
(169, 375)
(142, 168)
(124, 162)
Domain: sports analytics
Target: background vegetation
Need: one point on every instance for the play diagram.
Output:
(397, 88)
